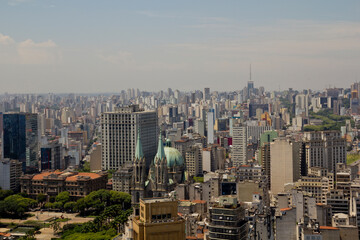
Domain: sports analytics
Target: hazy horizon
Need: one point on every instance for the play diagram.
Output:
(103, 47)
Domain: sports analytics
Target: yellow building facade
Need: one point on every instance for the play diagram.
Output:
(158, 220)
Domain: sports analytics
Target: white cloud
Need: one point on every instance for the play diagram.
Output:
(28, 51)
(6, 39)
(121, 57)
(17, 2)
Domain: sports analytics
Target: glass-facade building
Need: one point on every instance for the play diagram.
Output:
(45, 158)
(21, 138)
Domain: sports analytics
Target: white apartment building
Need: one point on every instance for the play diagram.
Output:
(119, 134)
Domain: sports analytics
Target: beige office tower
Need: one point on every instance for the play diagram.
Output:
(239, 145)
(324, 149)
(193, 157)
(158, 220)
(285, 163)
(119, 134)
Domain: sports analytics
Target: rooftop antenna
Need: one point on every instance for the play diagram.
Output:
(250, 71)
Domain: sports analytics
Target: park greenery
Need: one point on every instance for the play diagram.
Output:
(352, 157)
(110, 210)
(14, 205)
(330, 121)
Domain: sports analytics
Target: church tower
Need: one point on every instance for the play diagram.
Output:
(161, 178)
(139, 174)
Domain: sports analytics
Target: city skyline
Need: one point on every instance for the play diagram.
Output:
(88, 47)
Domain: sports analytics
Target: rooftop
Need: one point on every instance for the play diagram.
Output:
(41, 176)
(155, 200)
(68, 176)
(328, 228)
(82, 174)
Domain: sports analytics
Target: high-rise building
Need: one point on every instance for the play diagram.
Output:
(122, 179)
(227, 220)
(265, 159)
(239, 145)
(119, 133)
(51, 156)
(210, 127)
(193, 157)
(250, 88)
(254, 106)
(21, 138)
(193, 97)
(325, 149)
(285, 163)
(254, 131)
(206, 94)
(173, 115)
(95, 157)
(10, 172)
(158, 219)
(200, 127)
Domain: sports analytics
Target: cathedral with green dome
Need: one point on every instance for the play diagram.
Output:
(165, 172)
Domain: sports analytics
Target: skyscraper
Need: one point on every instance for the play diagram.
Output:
(285, 163)
(325, 149)
(210, 127)
(250, 88)
(119, 134)
(51, 156)
(206, 94)
(10, 172)
(239, 145)
(21, 138)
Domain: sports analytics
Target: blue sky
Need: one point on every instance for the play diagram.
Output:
(107, 46)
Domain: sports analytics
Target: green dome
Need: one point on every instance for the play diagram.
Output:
(173, 157)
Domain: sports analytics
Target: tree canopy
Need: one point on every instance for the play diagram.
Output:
(15, 206)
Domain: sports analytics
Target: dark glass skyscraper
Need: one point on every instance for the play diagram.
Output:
(21, 138)
(15, 136)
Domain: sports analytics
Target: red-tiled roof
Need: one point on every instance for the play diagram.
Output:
(328, 228)
(41, 176)
(85, 174)
(200, 236)
(285, 209)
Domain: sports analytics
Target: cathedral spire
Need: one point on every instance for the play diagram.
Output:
(139, 152)
(160, 152)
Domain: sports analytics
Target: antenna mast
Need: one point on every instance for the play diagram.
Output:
(250, 71)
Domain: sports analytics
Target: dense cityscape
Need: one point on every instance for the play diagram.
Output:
(179, 120)
(246, 164)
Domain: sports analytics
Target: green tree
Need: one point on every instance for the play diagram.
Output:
(58, 205)
(16, 205)
(63, 197)
(52, 199)
(120, 198)
(81, 206)
(5, 193)
(55, 226)
(70, 206)
(41, 198)
(49, 205)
